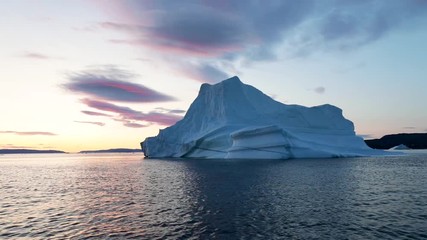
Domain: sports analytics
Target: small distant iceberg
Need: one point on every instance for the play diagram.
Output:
(400, 147)
(237, 121)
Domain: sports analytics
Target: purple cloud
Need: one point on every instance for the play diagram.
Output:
(28, 133)
(193, 40)
(161, 118)
(210, 28)
(91, 113)
(128, 114)
(214, 32)
(253, 29)
(108, 107)
(94, 123)
(134, 125)
(107, 84)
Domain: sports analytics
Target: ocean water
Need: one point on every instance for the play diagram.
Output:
(90, 196)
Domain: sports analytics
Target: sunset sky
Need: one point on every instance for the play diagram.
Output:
(96, 74)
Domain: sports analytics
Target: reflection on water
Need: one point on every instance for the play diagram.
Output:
(125, 196)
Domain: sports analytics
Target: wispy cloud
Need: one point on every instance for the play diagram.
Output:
(91, 113)
(134, 125)
(320, 90)
(13, 146)
(36, 56)
(28, 133)
(128, 114)
(112, 84)
(89, 122)
(167, 110)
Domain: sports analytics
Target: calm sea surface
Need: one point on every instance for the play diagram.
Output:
(83, 196)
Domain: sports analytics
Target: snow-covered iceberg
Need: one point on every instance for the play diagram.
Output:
(234, 120)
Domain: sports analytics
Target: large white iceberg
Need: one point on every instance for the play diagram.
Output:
(234, 120)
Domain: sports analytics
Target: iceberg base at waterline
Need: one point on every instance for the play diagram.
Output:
(237, 121)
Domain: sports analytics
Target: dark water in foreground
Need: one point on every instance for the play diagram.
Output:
(124, 196)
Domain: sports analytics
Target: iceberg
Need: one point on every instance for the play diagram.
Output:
(400, 147)
(237, 121)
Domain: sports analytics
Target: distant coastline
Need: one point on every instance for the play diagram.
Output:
(113, 150)
(33, 151)
(411, 140)
(27, 151)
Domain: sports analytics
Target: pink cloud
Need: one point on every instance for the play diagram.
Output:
(162, 118)
(109, 107)
(28, 133)
(127, 114)
(107, 84)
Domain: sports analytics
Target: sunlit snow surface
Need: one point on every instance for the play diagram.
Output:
(234, 120)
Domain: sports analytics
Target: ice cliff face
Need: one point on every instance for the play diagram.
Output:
(234, 120)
